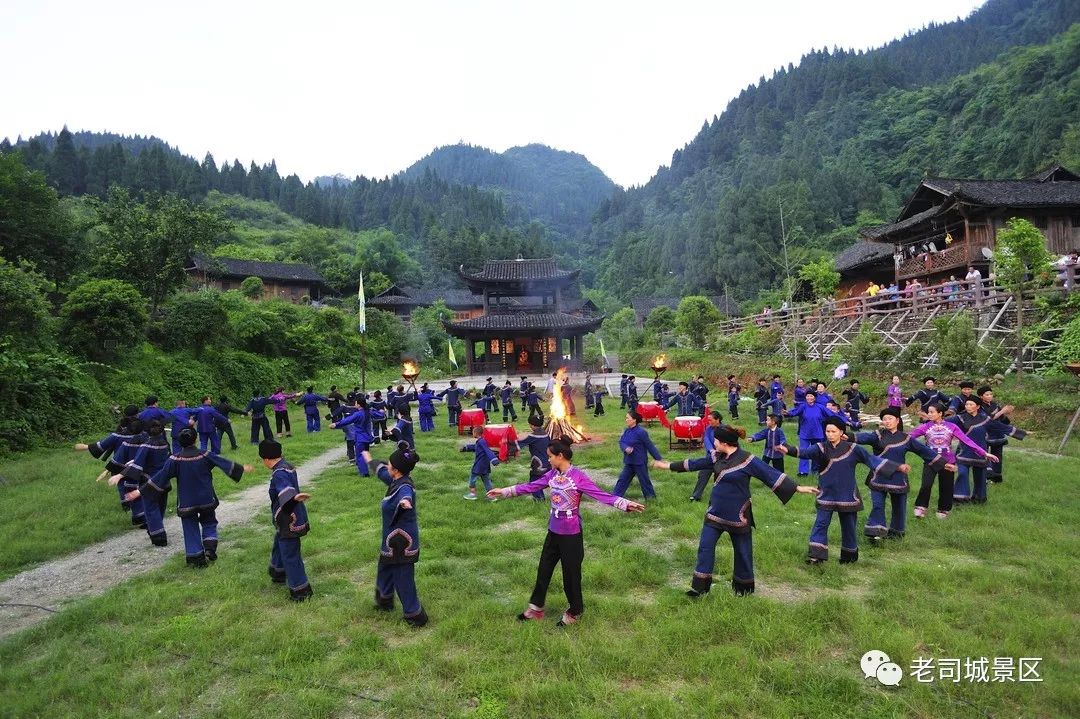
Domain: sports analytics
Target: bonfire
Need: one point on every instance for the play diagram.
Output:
(558, 424)
(410, 371)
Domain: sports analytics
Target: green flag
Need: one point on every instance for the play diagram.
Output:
(453, 359)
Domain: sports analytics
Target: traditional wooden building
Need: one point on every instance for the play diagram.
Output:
(533, 319)
(948, 224)
(281, 280)
(401, 301)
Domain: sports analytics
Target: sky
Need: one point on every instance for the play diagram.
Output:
(362, 88)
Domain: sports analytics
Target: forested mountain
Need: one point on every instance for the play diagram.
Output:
(561, 189)
(838, 141)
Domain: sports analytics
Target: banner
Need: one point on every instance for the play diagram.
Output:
(453, 359)
(363, 307)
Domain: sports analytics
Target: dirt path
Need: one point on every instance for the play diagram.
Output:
(97, 568)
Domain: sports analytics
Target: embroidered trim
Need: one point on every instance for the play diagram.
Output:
(700, 575)
(408, 552)
(779, 481)
(727, 522)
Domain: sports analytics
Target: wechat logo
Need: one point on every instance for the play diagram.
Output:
(877, 664)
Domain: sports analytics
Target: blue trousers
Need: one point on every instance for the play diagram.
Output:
(973, 490)
(761, 412)
(995, 470)
(742, 549)
(260, 422)
(629, 471)
(198, 528)
(733, 409)
(875, 523)
(849, 538)
(427, 423)
(508, 409)
(485, 478)
(361, 464)
(805, 465)
(399, 578)
(214, 440)
(452, 415)
(285, 555)
(154, 512)
(313, 422)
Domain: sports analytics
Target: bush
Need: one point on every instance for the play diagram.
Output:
(252, 288)
(101, 318)
(1068, 349)
(867, 348)
(25, 320)
(193, 320)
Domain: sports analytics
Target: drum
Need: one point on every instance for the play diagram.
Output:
(502, 438)
(472, 417)
(688, 428)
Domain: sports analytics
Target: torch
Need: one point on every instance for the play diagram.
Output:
(659, 367)
(410, 370)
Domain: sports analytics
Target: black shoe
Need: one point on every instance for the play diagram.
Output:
(159, 540)
(695, 594)
(299, 595)
(277, 576)
(210, 547)
(418, 620)
(198, 561)
(384, 604)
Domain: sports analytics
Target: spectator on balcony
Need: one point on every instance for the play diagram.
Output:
(1063, 266)
(974, 280)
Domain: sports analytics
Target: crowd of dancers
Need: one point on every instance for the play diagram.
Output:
(960, 440)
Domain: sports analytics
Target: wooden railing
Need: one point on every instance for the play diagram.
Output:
(927, 263)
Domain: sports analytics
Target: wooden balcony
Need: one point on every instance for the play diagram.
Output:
(929, 263)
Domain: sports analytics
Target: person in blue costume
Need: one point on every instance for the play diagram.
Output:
(631, 392)
(453, 395)
(310, 402)
(928, 395)
(839, 491)
(400, 548)
(377, 410)
(533, 399)
(733, 390)
(149, 457)
(891, 442)
(637, 447)
(776, 395)
(622, 391)
(488, 397)
(800, 391)
(483, 460)
(730, 507)
(402, 431)
(588, 391)
(523, 388)
(426, 400)
(689, 404)
(260, 423)
(812, 416)
(995, 440)
(290, 520)
(761, 401)
(714, 420)
(207, 419)
(598, 401)
(115, 449)
(772, 435)
(196, 500)
(970, 483)
(537, 442)
(855, 400)
(152, 411)
(506, 396)
(956, 404)
(357, 425)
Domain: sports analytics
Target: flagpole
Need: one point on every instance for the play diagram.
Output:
(362, 326)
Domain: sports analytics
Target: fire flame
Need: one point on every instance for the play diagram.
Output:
(409, 369)
(558, 407)
(660, 362)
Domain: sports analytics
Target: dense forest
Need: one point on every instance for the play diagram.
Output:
(840, 140)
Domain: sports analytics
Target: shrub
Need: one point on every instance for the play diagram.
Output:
(101, 318)
(252, 288)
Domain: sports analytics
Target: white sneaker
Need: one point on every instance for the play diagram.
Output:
(469, 495)
(942, 515)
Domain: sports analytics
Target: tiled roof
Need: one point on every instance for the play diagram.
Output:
(396, 296)
(863, 253)
(232, 267)
(526, 321)
(883, 230)
(519, 270)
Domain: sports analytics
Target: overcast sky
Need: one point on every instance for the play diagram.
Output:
(369, 88)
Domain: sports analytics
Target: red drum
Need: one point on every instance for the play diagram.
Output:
(502, 438)
(651, 411)
(472, 417)
(688, 428)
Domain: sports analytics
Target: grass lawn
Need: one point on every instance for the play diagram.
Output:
(993, 581)
(52, 506)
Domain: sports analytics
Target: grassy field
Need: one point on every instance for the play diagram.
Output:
(52, 506)
(992, 581)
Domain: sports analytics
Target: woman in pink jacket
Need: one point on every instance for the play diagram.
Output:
(940, 435)
(281, 409)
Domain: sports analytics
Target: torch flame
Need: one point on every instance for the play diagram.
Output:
(409, 369)
(660, 362)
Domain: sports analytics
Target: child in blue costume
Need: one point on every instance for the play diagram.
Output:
(196, 500)
(484, 460)
(357, 425)
(400, 550)
(149, 457)
(290, 522)
(637, 447)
